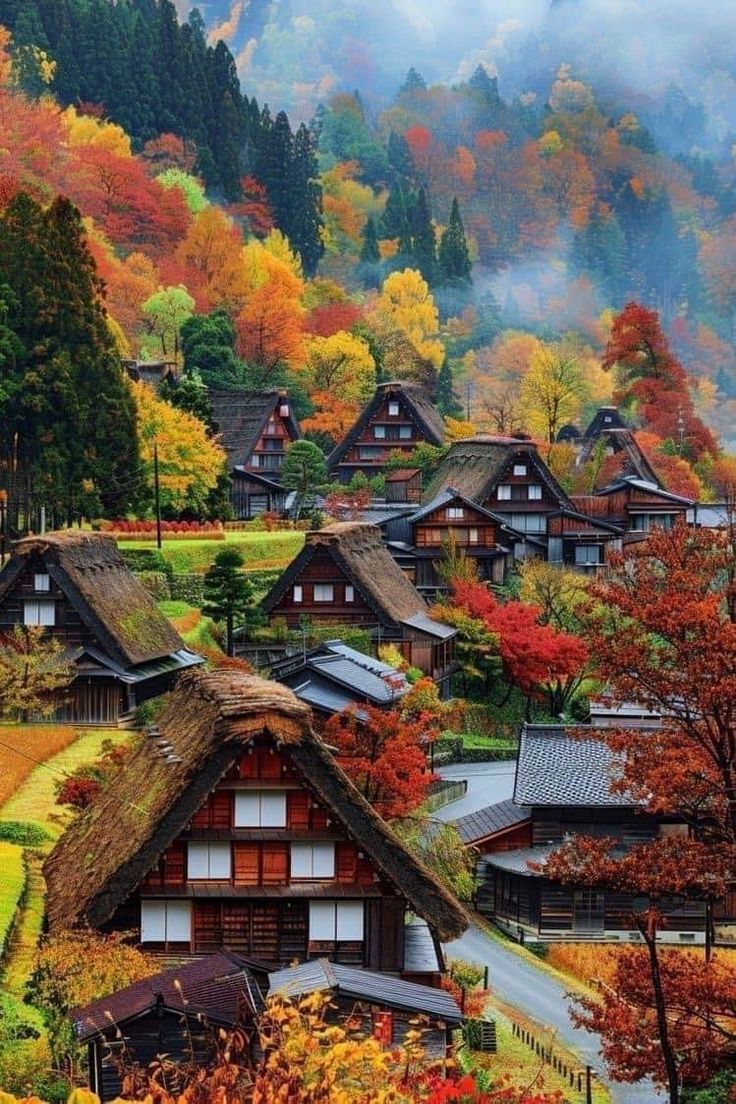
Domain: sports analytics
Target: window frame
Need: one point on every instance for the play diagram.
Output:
(455, 513)
(272, 821)
(39, 603)
(313, 857)
(394, 408)
(323, 587)
(534, 487)
(220, 849)
(520, 470)
(297, 594)
(45, 587)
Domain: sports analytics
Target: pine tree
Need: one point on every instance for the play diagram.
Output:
(399, 158)
(228, 592)
(304, 471)
(447, 402)
(67, 422)
(423, 244)
(369, 252)
(454, 259)
(304, 228)
(413, 82)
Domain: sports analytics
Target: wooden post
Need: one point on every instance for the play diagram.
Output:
(588, 1085)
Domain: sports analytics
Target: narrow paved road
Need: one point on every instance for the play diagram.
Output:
(518, 982)
(488, 783)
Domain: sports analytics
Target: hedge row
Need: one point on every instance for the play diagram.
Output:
(187, 588)
(12, 882)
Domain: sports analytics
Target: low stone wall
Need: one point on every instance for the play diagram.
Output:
(451, 750)
(443, 792)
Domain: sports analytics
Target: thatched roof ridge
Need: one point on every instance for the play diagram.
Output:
(209, 719)
(474, 467)
(111, 601)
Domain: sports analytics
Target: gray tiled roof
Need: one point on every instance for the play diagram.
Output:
(518, 862)
(494, 818)
(556, 767)
(311, 977)
(427, 624)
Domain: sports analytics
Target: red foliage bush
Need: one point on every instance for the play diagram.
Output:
(80, 793)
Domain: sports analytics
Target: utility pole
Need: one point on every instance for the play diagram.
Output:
(156, 492)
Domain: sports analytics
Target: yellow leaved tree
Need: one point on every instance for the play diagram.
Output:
(343, 365)
(86, 130)
(190, 462)
(407, 304)
(553, 390)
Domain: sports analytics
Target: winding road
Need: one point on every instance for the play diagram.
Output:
(518, 982)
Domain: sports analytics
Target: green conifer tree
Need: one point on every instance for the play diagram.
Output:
(423, 243)
(228, 593)
(454, 261)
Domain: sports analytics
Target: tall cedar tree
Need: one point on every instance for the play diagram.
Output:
(447, 402)
(67, 420)
(228, 592)
(152, 74)
(423, 244)
(369, 251)
(453, 257)
(208, 345)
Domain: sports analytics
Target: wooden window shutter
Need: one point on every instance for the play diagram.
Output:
(249, 764)
(221, 802)
(247, 863)
(174, 863)
(297, 809)
(346, 862)
(275, 863)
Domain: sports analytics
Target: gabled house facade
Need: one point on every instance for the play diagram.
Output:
(634, 506)
(255, 428)
(346, 575)
(507, 477)
(232, 827)
(565, 784)
(176, 1013)
(452, 519)
(76, 586)
(397, 419)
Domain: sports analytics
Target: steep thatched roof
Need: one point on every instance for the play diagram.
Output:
(240, 418)
(417, 405)
(359, 552)
(111, 601)
(210, 718)
(475, 466)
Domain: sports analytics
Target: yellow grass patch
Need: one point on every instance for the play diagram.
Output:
(23, 746)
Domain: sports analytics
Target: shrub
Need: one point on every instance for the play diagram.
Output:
(81, 789)
(25, 833)
(12, 882)
(157, 584)
(147, 712)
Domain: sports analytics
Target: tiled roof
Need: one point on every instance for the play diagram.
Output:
(522, 860)
(494, 818)
(365, 985)
(557, 767)
(219, 985)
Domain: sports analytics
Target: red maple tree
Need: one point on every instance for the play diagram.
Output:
(384, 755)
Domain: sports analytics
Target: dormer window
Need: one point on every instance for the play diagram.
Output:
(42, 582)
(520, 469)
(393, 409)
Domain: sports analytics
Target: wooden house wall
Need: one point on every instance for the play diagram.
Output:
(520, 503)
(250, 498)
(509, 840)
(390, 1025)
(323, 569)
(270, 448)
(262, 909)
(551, 825)
(68, 628)
(473, 531)
(143, 1040)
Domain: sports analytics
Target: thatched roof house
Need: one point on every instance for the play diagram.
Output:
(77, 585)
(212, 719)
(476, 466)
(345, 574)
(255, 428)
(399, 417)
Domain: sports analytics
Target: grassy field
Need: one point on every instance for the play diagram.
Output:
(35, 799)
(23, 746)
(517, 1064)
(591, 962)
(191, 624)
(262, 551)
(12, 881)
